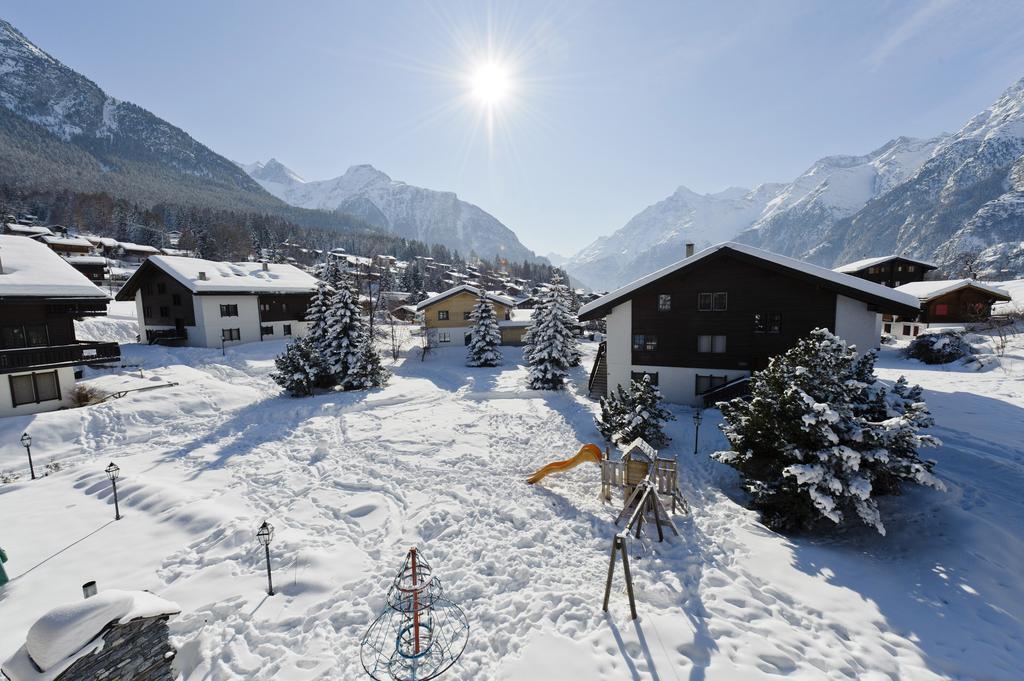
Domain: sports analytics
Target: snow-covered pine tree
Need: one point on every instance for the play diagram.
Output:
(551, 346)
(485, 336)
(345, 329)
(366, 370)
(644, 416)
(317, 315)
(299, 368)
(613, 413)
(818, 437)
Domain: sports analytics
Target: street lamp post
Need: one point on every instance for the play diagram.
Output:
(26, 442)
(263, 536)
(698, 414)
(112, 472)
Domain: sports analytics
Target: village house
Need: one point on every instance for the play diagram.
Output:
(709, 320)
(190, 301)
(31, 231)
(135, 253)
(946, 302)
(889, 270)
(446, 317)
(40, 297)
(68, 245)
(92, 266)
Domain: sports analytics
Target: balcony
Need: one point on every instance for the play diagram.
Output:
(54, 356)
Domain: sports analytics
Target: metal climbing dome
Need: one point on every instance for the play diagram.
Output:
(420, 634)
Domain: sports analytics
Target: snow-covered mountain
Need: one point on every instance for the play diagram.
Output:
(411, 212)
(784, 218)
(58, 129)
(957, 199)
(964, 207)
(656, 236)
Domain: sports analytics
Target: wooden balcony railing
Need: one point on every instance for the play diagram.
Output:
(53, 356)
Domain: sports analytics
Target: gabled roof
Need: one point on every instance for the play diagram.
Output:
(138, 248)
(67, 241)
(223, 277)
(892, 300)
(29, 269)
(929, 290)
(464, 288)
(858, 265)
(27, 230)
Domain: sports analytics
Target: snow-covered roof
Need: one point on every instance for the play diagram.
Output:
(464, 288)
(30, 230)
(29, 268)
(844, 281)
(208, 276)
(858, 265)
(86, 259)
(65, 631)
(138, 248)
(518, 318)
(67, 241)
(927, 290)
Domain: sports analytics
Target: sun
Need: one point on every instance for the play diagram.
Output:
(490, 83)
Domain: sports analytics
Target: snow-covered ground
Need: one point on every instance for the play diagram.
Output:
(438, 459)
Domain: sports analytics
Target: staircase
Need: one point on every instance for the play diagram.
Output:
(597, 386)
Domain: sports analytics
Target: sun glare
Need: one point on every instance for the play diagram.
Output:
(490, 83)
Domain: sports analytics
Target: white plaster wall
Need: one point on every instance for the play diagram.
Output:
(457, 333)
(209, 323)
(619, 323)
(858, 325)
(66, 378)
(678, 385)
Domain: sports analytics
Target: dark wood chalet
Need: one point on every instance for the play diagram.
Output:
(888, 270)
(946, 302)
(714, 317)
(40, 297)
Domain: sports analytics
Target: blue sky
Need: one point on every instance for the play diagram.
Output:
(613, 104)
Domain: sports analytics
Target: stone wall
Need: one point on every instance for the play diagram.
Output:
(136, 651)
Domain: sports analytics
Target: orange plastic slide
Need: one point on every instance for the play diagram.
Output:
(588, 452)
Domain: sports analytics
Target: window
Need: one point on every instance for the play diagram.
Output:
(899, 268)
(147, 312)
(467, 314)
(706, 383)
(906, 329)
(664, 302)
(887, 327)
(161, 288)
(897, 283)
(165, 311)
(711, 344)
(35, 388)
(24, 336)
(650, 343)
(264, 307)
(228, 310)
(444, 337)
(639, 376)
(941, 309)
(717, 302)
(770, 322)
(230, 334)
(442, 315)
(287, 331)
(266, 331)
(638, 342)
(911, 268)
(176, 299)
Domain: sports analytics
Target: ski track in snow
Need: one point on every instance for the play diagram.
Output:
(438, 459)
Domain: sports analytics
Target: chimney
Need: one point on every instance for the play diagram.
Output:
(689, 249)
(89, 589)
(202, 276)
(1, 267)
(266, 266)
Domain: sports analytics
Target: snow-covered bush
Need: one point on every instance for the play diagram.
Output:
(300, 369)
(485, 337)
(638, 413)
(551, 346)
(941, 347)
(820, 437)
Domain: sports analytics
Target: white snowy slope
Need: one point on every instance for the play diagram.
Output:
(412, 212)
(657, 235)
(438, 460)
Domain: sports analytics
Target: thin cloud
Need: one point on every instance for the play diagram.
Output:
(907, 30)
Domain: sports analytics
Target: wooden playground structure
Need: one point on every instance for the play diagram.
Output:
(647, 482)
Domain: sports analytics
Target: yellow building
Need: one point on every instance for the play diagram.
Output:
(447, 317)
